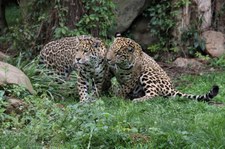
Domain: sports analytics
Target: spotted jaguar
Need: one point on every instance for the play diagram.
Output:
(140, 77)
(84, 54)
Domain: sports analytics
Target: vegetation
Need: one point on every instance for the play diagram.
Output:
(51, 121)
(44, 21)
(54, 117)
(162, 15)
(161, 23)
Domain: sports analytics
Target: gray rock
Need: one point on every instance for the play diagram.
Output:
(140, 32)
(127, 11)
(11, 75)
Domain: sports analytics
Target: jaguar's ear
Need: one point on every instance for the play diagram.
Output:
(118, 34)
(130, 49)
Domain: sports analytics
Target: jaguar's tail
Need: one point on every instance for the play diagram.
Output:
(206, 97)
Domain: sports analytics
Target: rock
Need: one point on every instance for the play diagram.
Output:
(15, 106)
(3, 56)
(12, 75)
(214, 43)
(127, 11)
(140, 32)
(188, 63)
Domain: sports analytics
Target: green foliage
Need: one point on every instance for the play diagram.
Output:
(2, 103)
(202, 57)
(192, 39)
(46, 20)
(45, 81)
(101, 16)
(21, 38)
(218, 62)
(110, 122)
(154, 47)
(12, 15)
(160, 23)
(55, 119)
(48, 84)
(38, 10)
(15, 91)
(162, 15)
(162, 20)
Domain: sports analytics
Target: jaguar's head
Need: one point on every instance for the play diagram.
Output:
(123, 53)
(88, 53)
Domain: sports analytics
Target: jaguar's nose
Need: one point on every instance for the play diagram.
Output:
(109, 61)
(78, 59)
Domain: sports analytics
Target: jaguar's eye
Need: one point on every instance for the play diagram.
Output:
(85, 50)
(130, 49)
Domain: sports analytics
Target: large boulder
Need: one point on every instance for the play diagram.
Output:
(214, 43)
(127, 11)
(140, 32)
(12, 75)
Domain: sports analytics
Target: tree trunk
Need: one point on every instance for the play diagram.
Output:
(75, 11)
(219, 15)
(182, 20)
(3, 23)
(182, 23)
(204, 13)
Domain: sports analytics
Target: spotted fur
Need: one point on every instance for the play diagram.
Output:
(86, 55)
(140, 77)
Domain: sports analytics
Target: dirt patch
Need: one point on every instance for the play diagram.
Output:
(176, 72)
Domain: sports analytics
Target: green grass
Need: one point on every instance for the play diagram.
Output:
(114, 123)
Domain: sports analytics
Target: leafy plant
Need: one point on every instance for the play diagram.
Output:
(162, 15)
(46, 20)
(154, 47)
(100, 16)
(111, 122)
(162, 20)
(218, 62)
(12, 15)
(2, 102)
(193, 40)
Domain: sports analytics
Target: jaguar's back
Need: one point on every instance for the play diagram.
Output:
(60, 54)
(86, 55)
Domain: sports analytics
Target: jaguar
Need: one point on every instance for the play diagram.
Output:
(85, 55)
(139, 76)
